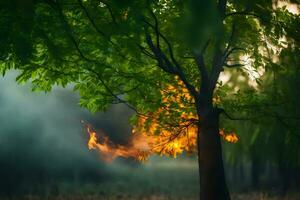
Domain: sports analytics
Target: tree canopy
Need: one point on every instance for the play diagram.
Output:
(170, 58)
(87, 42)
(110, 50)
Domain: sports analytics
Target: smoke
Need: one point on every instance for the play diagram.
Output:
(43, 149)
(42, 139)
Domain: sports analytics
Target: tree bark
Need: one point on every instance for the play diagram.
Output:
(212, 177)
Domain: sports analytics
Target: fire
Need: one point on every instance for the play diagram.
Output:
(170, 130)
(142, 145)
(138, 148)
(229, 137)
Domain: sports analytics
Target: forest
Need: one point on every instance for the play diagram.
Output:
(162, 99)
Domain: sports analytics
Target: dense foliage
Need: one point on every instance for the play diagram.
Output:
(57, 42)
(131, 52)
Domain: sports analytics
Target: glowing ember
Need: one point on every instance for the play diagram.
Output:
(229, 137)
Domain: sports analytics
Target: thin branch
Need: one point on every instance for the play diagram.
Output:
(188, 57)
(243, 13)
(156, 28)
(107, 37)
(90, 60)
(205, 47)
(222, 111)
(222, 8)
(230, 51)
(276, 115)
(265, 115)
(110, 12)
(234, 65)
(199, 59)
(112, 93)
(233, 28)
(146, 52)
(92, 21)
(164, 62)
(69, 31)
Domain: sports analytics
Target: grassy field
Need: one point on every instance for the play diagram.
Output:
(249, 196)
(158, 180)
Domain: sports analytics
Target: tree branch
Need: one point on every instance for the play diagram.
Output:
(92, 21)
(162, 60)
(199, 59)
(217, 67)
(104, 35)
(164, 63)
(156, 28)
(110, 12)
(222, 111)
(233, 65)
(245, 13)
(233, 28)
(230, 51)
(202, 68)
(217, 64)
(68, 30)
(222, 8)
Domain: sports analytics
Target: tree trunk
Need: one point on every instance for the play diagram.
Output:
(212, 178)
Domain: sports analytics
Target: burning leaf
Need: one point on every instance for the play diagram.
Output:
(168, 131)
(229, 137)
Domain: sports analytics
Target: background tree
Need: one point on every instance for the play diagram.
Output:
(270, 139)
(270, 135)
(129, 51)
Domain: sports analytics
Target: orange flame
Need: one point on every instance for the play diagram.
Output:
(154, 134)
(229, 137)
(138, 148)
(141, 146)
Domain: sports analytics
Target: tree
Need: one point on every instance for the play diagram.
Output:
(129, 51)
(271, 140)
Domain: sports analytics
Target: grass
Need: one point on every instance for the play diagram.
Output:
(249, 196)
(154, 181)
